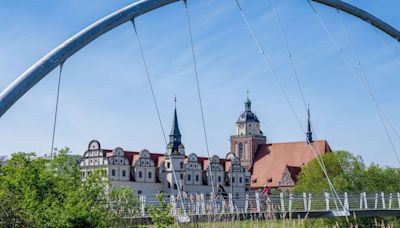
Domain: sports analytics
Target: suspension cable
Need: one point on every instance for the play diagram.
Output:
(199, 92)
(296, 75)
(362, 80)
(56, 110)
(158, 112)
(386, 45)
(269, 66)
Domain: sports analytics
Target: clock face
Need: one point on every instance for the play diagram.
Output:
(241, 126)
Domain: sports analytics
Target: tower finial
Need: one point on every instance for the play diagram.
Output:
(247, 94)
(175, 100)
(309, 130)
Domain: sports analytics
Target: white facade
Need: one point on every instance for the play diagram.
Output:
(171, 173)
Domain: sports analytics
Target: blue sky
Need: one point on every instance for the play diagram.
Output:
(105, 94)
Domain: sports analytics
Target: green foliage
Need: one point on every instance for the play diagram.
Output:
(39, 192)
(347, 173)
(161, 214)
(123, 203)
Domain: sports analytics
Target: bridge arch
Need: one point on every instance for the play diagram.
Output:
(60, 54)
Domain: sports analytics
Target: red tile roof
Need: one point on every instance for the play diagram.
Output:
(271, 159)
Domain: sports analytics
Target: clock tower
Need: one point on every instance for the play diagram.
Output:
(248, 136)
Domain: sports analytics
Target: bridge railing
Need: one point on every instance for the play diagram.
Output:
(253, 202)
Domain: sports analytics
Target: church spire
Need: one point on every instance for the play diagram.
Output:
(309, 131)
(247, 104)
(175, 135)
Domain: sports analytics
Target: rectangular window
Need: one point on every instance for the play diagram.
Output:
(139, 192)
(197, 177)
(233, 179)
(181, 165)
(168, 165)
(175, 187)
(219, 178)
(149, 175)
(140, 174)
(188, 177)
(113, 172)
(240, 180)
(123, 173)
(181, 175)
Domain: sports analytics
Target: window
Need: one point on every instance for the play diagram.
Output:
(241, 150)
(189, 177)
(197, 177)
(181, 175)
(149, 175)
(233, 179)
(181, 165)
(240, 180)
(168, 165)
(219, 178)
(113, 172)
(175, 187)
(169, 185)
(249, 125)
(123, 173)
(139, 192)
(140, 174)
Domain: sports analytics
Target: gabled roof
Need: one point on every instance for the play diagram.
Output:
(271, 160)
(158, 158)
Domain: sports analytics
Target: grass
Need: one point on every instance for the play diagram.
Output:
(351, 222)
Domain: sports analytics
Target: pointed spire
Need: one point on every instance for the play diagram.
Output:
(309, 130)
(247, 104)
(175, 135)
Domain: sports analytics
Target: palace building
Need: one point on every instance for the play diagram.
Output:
(253, 163)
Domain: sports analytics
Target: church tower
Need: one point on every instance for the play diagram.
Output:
(173, 169)
(248, 136)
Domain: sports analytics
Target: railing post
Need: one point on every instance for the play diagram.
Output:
(383, 200)
(327, 200)
(398, 199)
(203, 204)
(197, 204)
(376, 201)
(230, 203)
(173, 204)
(390, 200)
(258, 208)
(346, 201)
(142, 205)
(282, 202)
(246, 203)
(290, 202)
(309, 201)
(361, 200)
(365, 201)
(305, 201)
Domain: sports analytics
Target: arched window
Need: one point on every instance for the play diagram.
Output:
(241, 151)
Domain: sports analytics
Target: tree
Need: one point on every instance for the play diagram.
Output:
(122, 203)
(381, 179)
(39, 192)
(345, 170)
(161, 214)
